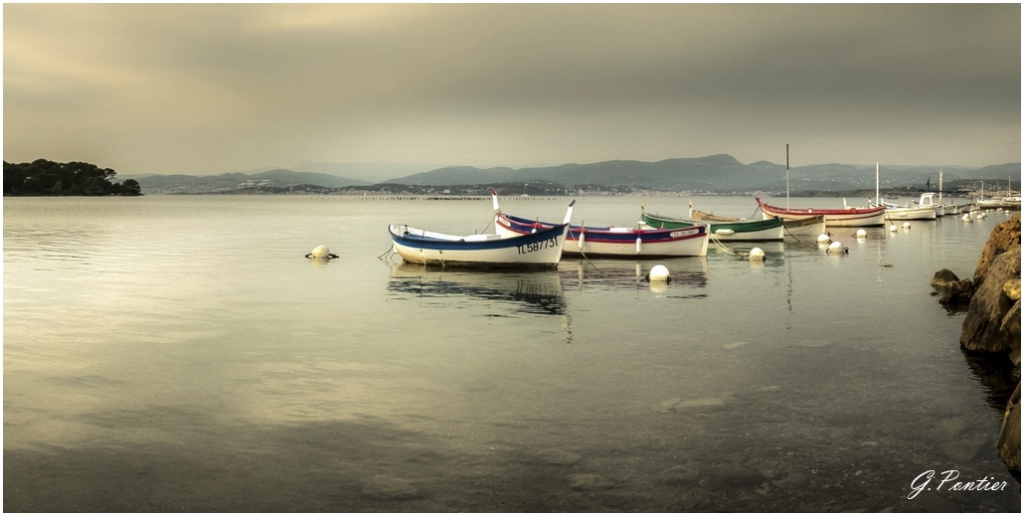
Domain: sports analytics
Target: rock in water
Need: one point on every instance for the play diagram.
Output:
(944, 278)
(1009, 434)
(1006, 235)
(589, 482)
(954, 291)
(992, 323)
(388, 488)
(983, 328)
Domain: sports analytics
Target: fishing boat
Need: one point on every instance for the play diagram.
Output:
(722, 228)
(928, 199)
(612, 242)
(797, 226)
(542, 248)
(834, 217)
(923, 209)
(845, 217)
(837, 217)
(919, 211)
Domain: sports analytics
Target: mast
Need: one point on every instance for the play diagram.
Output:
(787, 176)
(878, 198)
(940, 187)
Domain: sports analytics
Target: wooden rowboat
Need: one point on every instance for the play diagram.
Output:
(722, 228)
(838, 217)
(542, 248)
(613, 242)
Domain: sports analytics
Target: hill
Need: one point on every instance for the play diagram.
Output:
(50, 178)
(277, 178)
(717, 174)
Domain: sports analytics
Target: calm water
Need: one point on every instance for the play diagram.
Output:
(180, 354)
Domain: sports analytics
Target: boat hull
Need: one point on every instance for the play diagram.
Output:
(617, 242)
(924, 209)
(805, 227)
(849, 217)
(895, 214)
(741, 230)
(535, 250)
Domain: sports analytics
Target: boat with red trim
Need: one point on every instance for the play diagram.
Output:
(612, 242)
(834, 217)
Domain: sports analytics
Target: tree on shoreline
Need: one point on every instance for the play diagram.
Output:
(44, 177)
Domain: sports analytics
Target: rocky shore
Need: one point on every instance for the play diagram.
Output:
(992, 324)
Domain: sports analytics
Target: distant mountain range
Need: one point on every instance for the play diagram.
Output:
(278, 178)
(721, 174)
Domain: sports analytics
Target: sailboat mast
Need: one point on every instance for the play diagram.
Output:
(878, 198)
(787, 176)
(940, 188)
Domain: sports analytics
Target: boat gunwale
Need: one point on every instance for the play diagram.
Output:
(461, 244)
(810, 212)
(604, 235)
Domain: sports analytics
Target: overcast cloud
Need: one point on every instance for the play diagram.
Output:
(197, 89)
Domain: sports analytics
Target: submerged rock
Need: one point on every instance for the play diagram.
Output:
(559, 457)
(680, 474)
(793, 480)
(383, 487)
(589, 482)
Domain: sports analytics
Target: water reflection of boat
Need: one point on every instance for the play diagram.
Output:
(616, 274)
(537, 292)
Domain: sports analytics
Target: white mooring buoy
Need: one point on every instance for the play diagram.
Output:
(837, 248)
(824, 238)
(321, 252)
(906, 225)
(659, 274)
(756, 255)
(861, 233)
(892, 228)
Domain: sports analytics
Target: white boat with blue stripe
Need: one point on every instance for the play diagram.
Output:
(535, 250)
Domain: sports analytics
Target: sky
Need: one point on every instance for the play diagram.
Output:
(211, 88)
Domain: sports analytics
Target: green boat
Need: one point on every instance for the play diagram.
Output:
(725, 230)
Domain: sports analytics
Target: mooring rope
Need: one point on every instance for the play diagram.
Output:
(718, 243)
(784, 228)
